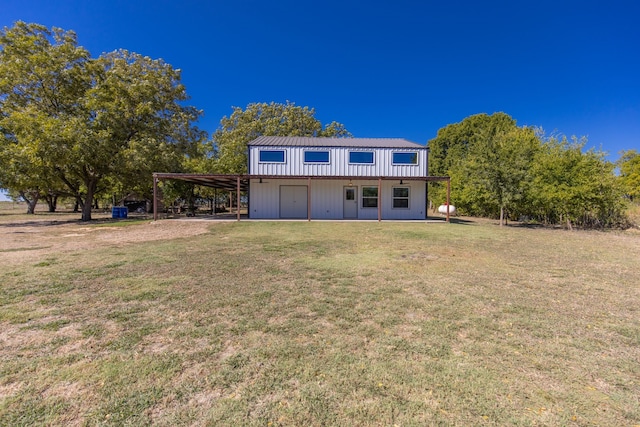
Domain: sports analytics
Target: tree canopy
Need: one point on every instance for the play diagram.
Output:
(574, 186)
(496, 177)
(41, 79)
(501, 170)
(71, 121)
(268, 119)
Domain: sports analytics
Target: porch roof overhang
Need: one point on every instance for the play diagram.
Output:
(232, 182)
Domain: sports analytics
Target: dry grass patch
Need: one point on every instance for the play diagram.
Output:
(276, 323)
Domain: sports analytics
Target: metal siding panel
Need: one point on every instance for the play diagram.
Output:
(341, 160)
(294, 167)
(326, 199)
(264, 199)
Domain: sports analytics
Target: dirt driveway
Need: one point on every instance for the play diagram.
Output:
(31, 240)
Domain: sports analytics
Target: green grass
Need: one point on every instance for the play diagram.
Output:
(295, 323)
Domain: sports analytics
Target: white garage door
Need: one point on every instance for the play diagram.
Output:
(293, 201)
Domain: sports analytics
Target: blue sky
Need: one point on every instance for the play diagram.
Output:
(385, 68)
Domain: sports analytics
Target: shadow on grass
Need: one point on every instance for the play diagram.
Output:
(42, 221)
(461, 221)
(532, 225)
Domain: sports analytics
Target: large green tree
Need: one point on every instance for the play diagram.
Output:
(90, 122)
(41, 80)
(496, 173)
(629, 165)
(136, 121)
(498, 169)
(268, 119)
(449, 155)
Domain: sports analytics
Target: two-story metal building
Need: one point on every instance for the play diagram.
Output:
(337, 178)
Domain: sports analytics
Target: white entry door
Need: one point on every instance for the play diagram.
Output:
(293, 201)
(350, 203)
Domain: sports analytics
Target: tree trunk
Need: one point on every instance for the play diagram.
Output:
(31, 204)
(88, 200)
(501, 215)
(52, 201)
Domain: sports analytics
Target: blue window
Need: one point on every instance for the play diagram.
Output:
(405, 158)
(364, 157)
(272, 156)
(316, 157)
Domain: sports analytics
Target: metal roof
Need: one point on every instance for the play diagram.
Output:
(223, 182)
(306, 141)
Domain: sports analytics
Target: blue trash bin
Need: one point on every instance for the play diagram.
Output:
(119, 212)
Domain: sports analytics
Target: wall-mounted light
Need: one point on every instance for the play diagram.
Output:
(401, 182)
(350, 183)
(260, 180)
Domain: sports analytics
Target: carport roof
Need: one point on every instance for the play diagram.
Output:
(223, 182)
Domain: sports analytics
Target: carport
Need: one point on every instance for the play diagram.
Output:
(237, 183)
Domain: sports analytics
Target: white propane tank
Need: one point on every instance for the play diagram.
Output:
(443, 209)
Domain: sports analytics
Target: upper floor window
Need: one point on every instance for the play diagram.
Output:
(272, 156)
(405, 158)
(362, 157)
(316, 157)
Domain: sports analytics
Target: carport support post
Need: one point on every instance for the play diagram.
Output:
(379, 199)
(155, 197)
(238, 196)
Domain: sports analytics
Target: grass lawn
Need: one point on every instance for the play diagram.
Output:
(327, 323)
